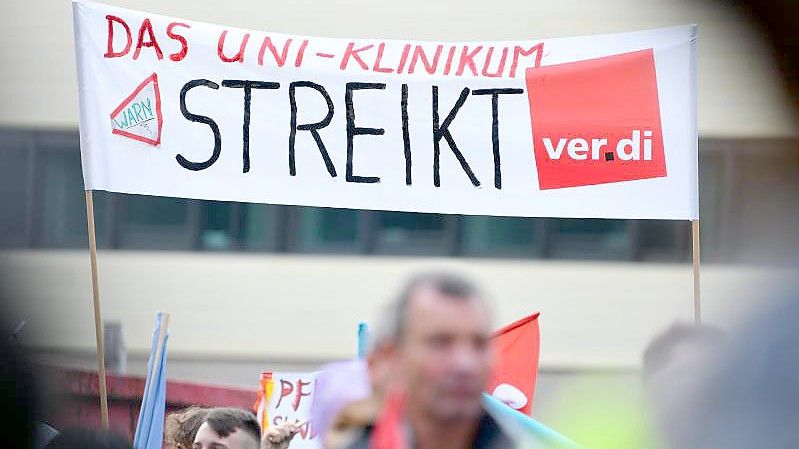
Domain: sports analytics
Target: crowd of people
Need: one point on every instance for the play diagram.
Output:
(421, 387)
(430, 361)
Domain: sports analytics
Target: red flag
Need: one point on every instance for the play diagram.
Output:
(388, 433)
(516, 363)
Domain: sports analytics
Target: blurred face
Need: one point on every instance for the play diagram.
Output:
(207, 438)
(444, 356)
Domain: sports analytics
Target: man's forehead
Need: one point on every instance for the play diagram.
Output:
(426, 301)
(206, 430)
(238, 439)
(425, 294)
(241, 439)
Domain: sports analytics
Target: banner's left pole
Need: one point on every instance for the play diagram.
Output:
(98, 318)
(696, 266)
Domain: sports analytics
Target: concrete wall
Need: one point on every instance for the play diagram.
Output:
(305, 308)
(739, 88)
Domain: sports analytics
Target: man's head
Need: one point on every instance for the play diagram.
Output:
(228, 428)
(438, 333)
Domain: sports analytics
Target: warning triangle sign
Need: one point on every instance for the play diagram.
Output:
(139, 115)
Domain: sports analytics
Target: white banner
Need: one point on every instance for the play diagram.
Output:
(287, 397)
(597, 126)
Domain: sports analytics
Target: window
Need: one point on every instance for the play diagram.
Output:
(317, 229)
(591, 239)
(229, 226)
(150, 222)
(503, 236)
(16, 151)
(63, 203)
(61, 199)
(663, 240)
(414, 233)
(216, 227)
(258, 226)
(746, 187)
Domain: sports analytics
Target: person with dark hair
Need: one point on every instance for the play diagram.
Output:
(235, 428)
(82, 438)
(181, 427)
(436, 341)
(228, 428)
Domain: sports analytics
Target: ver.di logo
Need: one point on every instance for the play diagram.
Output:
(139, 115)
(596, 121)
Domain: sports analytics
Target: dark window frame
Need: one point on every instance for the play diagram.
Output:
(284, 233)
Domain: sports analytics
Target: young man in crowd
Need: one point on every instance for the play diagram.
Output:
(233, 428)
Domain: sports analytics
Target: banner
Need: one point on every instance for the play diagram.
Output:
(597, 126)
(287, 397)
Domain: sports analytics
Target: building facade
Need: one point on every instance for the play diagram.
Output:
(254, 287)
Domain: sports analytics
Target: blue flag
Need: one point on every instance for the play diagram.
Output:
(150, 428)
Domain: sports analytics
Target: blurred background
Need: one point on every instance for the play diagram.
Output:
(256, 287)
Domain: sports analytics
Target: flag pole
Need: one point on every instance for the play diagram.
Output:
(696, 260)
(98, 320)
(362, 339)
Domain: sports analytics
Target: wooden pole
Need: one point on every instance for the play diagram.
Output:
(696, 260)
(98, 319)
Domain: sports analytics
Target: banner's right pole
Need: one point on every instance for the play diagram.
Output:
(696, 261)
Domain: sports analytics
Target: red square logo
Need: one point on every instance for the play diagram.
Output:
(596, 121)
